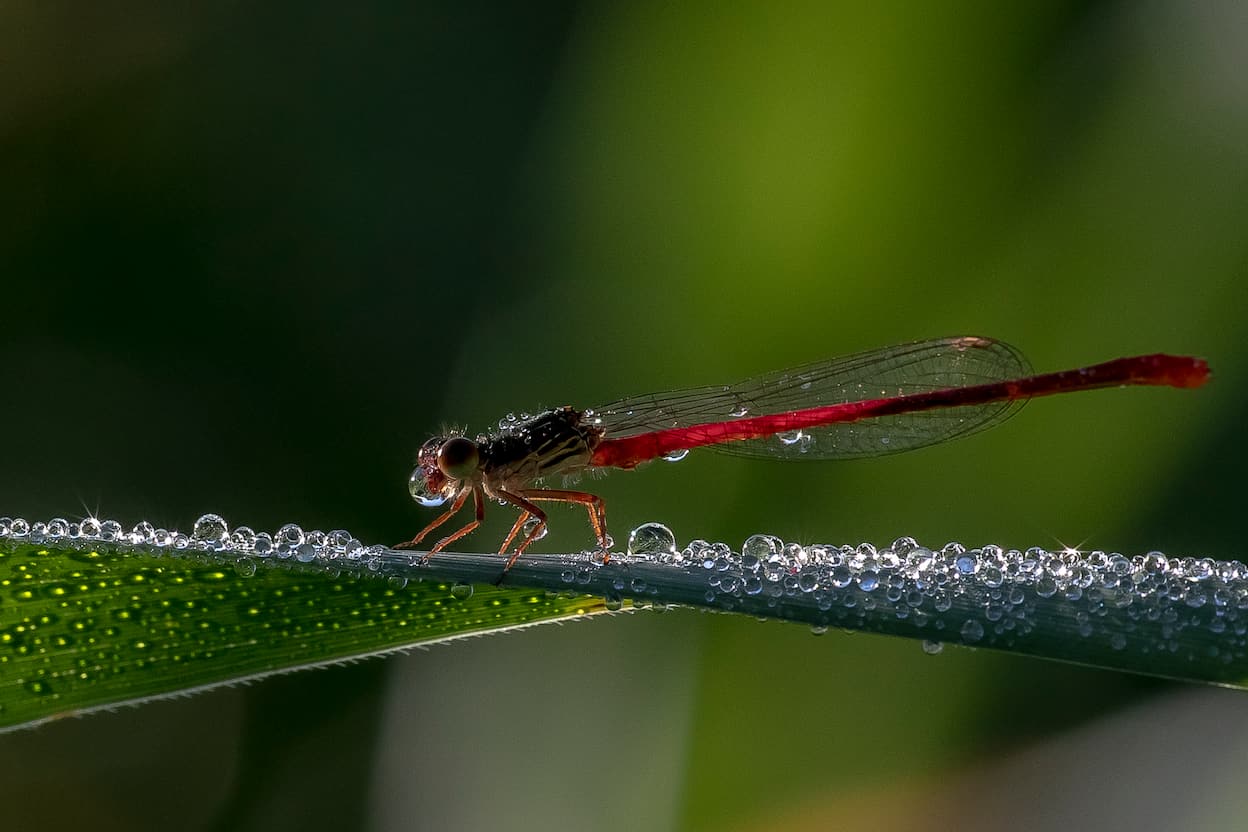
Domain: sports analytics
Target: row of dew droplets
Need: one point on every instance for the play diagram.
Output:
(986, 596)
(211, 535)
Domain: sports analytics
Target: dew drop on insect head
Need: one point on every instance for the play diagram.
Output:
(418, 487)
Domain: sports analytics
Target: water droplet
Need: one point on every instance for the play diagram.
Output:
(967, 564)
(790, 437)
(245, 568)
(210, 528)
(263, 545)
(110, 530)
(651, 541)
(972, 631)
(142, 532)
(869, 580)
(418, 487)
(242, 539)
(758, 548)
(676, 456)
(818, 629)
(531, 528)
(739, 411)
(89, 528)
(305, 553)
(289, 535)
(931, 648)
(461, 592)
(775, 566)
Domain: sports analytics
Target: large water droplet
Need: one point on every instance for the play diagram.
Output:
(461, 592)
(418, 487)
(210, 528)
(651, 541)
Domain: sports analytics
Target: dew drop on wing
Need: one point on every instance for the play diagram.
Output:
(790, 437)
(676, 456)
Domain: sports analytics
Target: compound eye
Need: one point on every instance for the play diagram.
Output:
(458, 458)
(423, 491)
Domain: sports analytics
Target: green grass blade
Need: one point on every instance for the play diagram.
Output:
(97, 624)
(92, 617)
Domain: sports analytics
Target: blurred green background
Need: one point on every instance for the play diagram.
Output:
(253, 254)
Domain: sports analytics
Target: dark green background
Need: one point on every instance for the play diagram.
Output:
(271, 247)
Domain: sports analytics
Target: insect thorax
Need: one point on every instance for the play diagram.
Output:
(554, 442)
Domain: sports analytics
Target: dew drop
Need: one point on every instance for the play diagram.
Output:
(305, 553)
(263, 545)
(739, 411)
(790, 437)
(210, 528)
(676, 456)
(289, 535)
(757, 549)
(818, 629)
(531, 527)
(245, 568)
(972, 631)
(461, 591)
(651, 540)
(931, 648)
(242, 539)
(143, 532)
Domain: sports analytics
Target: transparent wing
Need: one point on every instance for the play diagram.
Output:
(899, 370)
